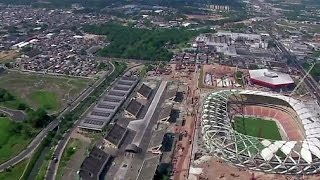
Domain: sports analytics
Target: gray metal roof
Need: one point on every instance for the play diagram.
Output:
(93, 165)
(102, 113)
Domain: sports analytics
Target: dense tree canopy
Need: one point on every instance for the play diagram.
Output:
(134, 43)
(38, 118)
(5, 96)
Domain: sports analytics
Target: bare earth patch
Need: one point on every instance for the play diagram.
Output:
(8, 55)
(216, 169)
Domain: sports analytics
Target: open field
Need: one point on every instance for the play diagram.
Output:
(257, 127)
(11, 143)
(15, 172)
(39, 90)
(6, 56)
(46, 99)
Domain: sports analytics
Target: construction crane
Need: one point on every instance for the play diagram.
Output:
(306, 75)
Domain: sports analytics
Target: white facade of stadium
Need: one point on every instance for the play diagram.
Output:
(283, 157)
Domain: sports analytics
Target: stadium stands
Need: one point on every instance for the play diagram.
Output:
(289, 125)
(298, 155)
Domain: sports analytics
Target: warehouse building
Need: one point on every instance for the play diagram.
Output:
(102, 113)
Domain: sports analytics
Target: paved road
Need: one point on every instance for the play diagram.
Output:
(312, 85)
(16, 115)
(143, 124)
(309, 81)
(30, 149)
(53, 167)
(38, 139)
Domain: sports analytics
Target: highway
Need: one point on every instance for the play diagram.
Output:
(30, 149)
(38, 139)
(53, 167)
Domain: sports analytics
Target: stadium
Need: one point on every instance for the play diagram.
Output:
(262, 131)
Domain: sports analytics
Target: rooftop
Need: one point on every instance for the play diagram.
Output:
(145, 91)
(103, 112)
(271, 77)
(93, 165)
(116, 134)
(134, 107)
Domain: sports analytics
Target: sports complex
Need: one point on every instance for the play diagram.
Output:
(262, 131)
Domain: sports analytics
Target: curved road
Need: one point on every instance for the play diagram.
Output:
(53, 167)
(38, 139)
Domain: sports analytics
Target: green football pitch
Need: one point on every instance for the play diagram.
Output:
(257, 127)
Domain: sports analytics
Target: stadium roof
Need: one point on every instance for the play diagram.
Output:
(303, 154)
(270, 77)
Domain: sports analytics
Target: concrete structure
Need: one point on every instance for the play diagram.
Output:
(144, 91)
(102, 113)
(93, 165)
(137, 144)
(270, 156)
(115, 136)
(133, 109)
(224, 42)
(271, 79)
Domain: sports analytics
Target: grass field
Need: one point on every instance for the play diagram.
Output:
(15, 172)
(46, 99)
(257, 127)
(11, 143)
(39, 90)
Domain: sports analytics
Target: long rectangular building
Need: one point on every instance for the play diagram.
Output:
(102, 113)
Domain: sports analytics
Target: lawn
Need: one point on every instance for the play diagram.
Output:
(46, 99)
(11, 143)
(15, 172)
(257, 127)
(39, 90)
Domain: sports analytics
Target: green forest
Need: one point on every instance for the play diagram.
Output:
(133, 43)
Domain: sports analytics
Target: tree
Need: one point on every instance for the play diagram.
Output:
(8, 65)
(17, 128)
(22, 106)
(5, 96)
(39, 118)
